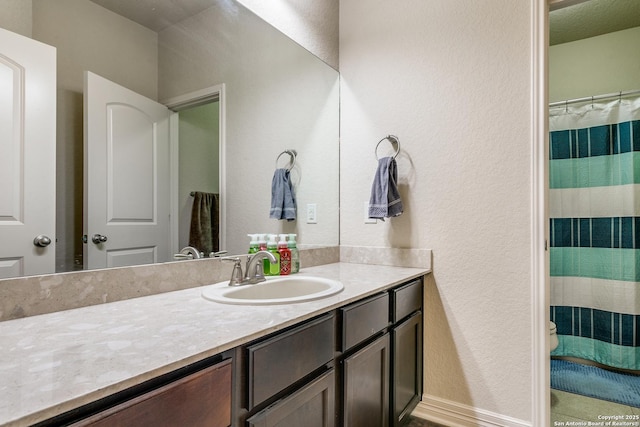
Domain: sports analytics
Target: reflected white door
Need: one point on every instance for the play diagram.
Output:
(27, 156)
(126, 169)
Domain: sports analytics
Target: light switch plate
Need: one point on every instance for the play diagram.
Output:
(311, 214)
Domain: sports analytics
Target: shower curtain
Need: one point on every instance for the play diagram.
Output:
(594, 206)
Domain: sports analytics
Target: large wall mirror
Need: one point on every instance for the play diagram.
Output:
(265, 94)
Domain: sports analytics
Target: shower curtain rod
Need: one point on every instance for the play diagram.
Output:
(613, 95)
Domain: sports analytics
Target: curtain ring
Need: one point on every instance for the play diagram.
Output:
(393, 140)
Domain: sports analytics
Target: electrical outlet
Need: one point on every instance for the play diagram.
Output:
(368, 220)
(311, 214)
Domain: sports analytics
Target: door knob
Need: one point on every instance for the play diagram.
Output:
(98, 238)
(42, 241)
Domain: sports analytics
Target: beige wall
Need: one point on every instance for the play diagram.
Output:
(595, 66)
(16, 16)
(452, 79)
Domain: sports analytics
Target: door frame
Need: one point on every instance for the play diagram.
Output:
(182, 102)
(539, 137)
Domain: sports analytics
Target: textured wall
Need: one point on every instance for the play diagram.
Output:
(313, 24)
(16, 16)
(452, 79)
(595, 66)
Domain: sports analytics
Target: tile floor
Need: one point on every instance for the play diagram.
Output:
(567, 407)
(418, 422)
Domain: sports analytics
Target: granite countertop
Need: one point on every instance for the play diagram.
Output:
(56, 362)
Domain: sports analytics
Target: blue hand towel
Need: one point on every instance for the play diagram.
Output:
(283, 201)
(385, 199)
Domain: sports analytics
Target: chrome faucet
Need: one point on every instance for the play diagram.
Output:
(254, 273)
(188, 252)
(254, 270)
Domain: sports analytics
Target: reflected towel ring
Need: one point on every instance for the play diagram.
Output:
(394, 141)
(293, 153)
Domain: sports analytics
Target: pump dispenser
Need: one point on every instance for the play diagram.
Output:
(253, 244)
(262, 242)
(272, 246)
(295, 255)
(285, 256)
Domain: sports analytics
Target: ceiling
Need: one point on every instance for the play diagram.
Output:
(156, 14)
(569, 21)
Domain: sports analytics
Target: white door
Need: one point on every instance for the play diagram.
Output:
(27, 156)
(126, 169)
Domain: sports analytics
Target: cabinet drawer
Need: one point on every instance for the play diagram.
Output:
(200, 399)
(406, 300)
(364, 319)
(278, 362)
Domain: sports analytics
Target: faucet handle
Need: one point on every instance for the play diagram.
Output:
(255, 274)
(236, 275)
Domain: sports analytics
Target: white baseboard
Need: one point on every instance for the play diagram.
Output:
(454, 414)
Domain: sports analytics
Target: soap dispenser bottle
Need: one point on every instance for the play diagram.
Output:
(272, 246)
(285, 256)
(262, 242)
(295, 255)
(253, 244)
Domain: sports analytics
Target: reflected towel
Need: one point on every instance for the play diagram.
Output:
(283, 201)
(203, 233)
(385, 199)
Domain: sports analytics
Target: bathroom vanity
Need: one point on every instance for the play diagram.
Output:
(352, 359)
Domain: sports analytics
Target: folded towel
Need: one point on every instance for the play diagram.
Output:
(203, 232)
(283, 201)
(385, 199)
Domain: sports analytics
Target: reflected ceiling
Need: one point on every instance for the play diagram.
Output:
(155, 14)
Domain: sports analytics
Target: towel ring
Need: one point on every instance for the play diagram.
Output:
(393, 140)
(293, 153)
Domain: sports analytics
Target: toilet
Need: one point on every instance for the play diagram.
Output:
(553, 342)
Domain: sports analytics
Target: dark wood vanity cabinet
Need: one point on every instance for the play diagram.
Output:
(199, 399)
(407, 349)
(381, 364)
(359, 365)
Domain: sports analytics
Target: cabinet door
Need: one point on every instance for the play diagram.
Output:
(366, 386)
(200, 399)
(407, 367)
(311, 406)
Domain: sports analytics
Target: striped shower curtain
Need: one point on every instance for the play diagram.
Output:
(594, 178)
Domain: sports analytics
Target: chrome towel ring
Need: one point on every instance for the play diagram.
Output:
(291, 152)
(393, 140)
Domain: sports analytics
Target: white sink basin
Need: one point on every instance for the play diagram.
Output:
(277, 290)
